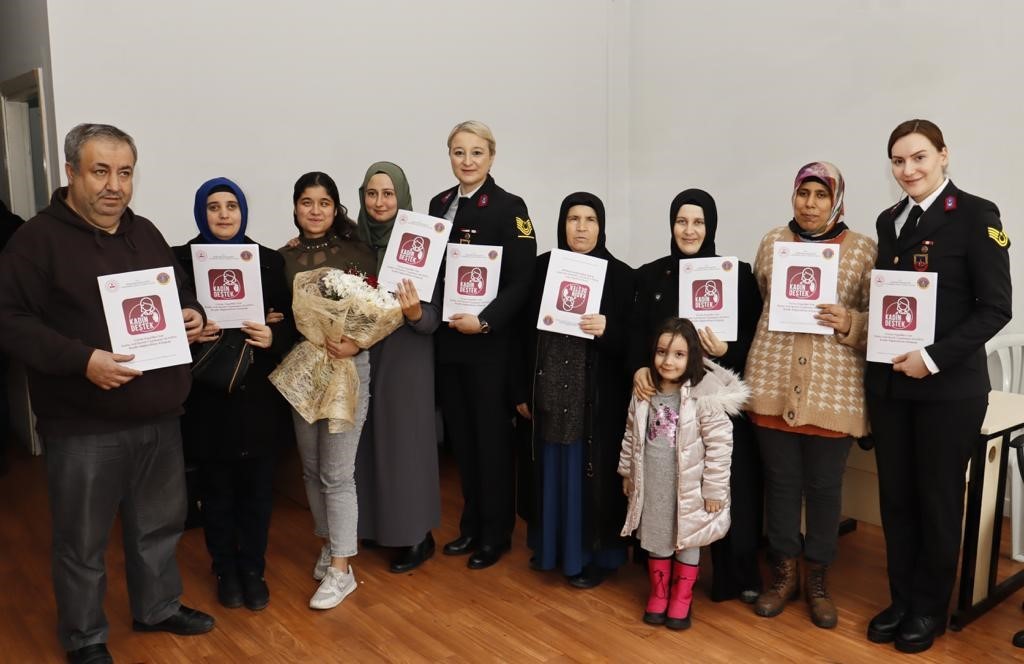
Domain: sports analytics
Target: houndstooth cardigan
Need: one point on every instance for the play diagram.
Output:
(814, 379)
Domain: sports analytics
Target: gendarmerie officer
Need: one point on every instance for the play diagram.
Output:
(926, 409)
(474, 352)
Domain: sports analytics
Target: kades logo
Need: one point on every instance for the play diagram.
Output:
(413, 250)
(226, 285)
(573, 297)
(143, 315)
(472, 280)
(707, 295)
(802, 283)
(899, 312)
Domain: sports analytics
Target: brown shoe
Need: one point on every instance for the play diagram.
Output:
(785, 586)
(823, 610)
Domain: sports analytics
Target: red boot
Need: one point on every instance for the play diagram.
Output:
(683, 578)
(658, 572)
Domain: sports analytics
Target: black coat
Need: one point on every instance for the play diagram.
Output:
(492, 216)
(657, 298)
(607, 383)
(960, 237)
(253, 420)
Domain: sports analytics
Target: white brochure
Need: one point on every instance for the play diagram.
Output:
(470, 278)
(414, 252)
(229, 283)
(804, 275)
(144, 317)
(902, 314)
(572, 288)
(708, 294)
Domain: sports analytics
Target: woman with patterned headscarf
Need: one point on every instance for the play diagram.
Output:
(807, 401)
(397, 480)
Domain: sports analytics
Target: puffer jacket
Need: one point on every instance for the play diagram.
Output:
(703, 455)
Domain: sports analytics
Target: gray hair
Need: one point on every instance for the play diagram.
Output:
(87, 131)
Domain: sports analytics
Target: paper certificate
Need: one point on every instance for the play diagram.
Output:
(144, 317)
(414, 252)
(902, 314)
(228, 282)
(708, 293)
(470, 278)
(804, 275)
(572, 288)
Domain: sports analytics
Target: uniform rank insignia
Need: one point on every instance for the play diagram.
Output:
(525, 227)
(999, 237)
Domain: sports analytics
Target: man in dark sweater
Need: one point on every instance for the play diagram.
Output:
(9, 222)
(111, 432)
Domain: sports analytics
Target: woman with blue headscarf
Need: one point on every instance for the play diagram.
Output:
(233, 436)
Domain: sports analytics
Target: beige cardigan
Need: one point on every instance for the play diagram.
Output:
(703, 456)
(814, 379)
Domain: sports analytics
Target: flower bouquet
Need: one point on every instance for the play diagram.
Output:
(328, 304)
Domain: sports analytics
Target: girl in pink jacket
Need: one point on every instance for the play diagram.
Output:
(675, 461)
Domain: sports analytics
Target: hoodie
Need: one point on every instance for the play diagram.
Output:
(53, 319)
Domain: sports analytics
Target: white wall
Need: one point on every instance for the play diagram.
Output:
(735, 96)
(264, 92)
(24, 46)
(634, 100)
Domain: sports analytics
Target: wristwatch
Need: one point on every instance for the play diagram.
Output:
(485, 327)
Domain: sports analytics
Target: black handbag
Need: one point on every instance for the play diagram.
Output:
(223, 362)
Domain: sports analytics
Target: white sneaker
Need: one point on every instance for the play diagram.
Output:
(322, 563)
(335, 587)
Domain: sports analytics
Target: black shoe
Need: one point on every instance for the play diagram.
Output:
(229, 590)
(485, 556)
(186, 622)
(97, 653)
(591, 577)
(1018, 639)
(884, 627)
(255, 591)
(461, 546)
(413, 556)
(917, 633)
(749, 596)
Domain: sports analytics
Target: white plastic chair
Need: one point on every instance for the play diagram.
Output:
(1006, 371)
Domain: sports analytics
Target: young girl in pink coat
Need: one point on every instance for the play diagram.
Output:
(675, 461)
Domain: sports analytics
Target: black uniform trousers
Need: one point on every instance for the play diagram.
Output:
(478, 421)
(237, 500)
(922, 449)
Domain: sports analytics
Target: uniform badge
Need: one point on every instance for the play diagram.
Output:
(949, 203)
(447, 197)
(483, 201)
(525, 227)
(999, 237)
(921, 262)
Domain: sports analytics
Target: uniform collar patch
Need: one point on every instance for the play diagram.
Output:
(949, 203)
(483, 201)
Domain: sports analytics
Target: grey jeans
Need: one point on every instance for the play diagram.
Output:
(328, 470)
(140, 472)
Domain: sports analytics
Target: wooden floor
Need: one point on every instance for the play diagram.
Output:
(445, 612)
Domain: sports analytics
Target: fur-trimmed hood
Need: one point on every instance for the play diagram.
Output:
(721, 390)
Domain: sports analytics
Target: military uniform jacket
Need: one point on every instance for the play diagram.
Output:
(492, 216)
(961, 238)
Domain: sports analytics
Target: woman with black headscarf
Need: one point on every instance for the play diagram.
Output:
(693, 220)
(234, 436)
(576, 398)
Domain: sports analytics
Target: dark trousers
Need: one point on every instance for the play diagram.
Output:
(90, 478)
(237, 499)
(922, 449)
(478, 421)
(802, 470)
(734, 557)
